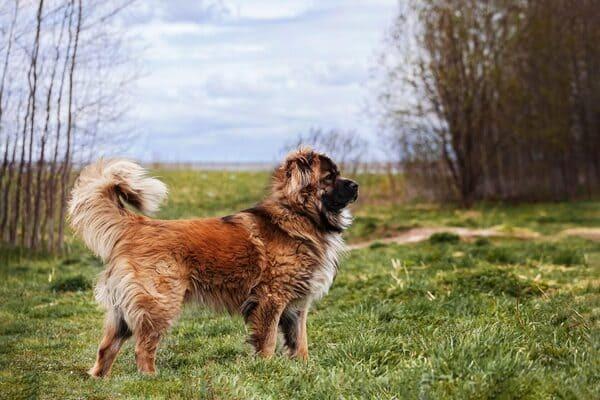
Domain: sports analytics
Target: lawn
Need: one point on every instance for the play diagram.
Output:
(441, 319)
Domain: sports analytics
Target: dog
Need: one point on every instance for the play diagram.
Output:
(267, 263)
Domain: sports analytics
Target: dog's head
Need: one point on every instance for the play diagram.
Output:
(310, 182)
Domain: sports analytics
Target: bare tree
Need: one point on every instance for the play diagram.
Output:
(53, 110)
(5, 159)
(346, 147)
(66, 169)
(53, 178)
(496, 96)
(33, 84)
(37, 225)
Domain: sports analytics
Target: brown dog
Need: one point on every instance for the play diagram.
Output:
(267, 263)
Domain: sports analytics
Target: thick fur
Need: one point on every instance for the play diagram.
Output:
(96, 207)
(267, 263)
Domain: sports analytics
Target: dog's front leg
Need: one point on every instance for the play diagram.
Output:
(116, 332)
(293, 327)
(263, 322)
(302, 345)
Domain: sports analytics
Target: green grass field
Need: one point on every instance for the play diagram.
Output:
(444, 318)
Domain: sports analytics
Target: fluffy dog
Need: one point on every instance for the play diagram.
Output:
(267, 263)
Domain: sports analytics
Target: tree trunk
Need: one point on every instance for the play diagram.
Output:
(66, 165)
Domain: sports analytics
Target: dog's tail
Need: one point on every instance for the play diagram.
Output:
(97, 211)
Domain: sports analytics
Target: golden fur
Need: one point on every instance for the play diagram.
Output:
(267, 263)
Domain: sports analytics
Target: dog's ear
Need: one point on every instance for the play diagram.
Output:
(299, 169)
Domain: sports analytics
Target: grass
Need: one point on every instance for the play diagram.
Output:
(439, 319)
(388, 219)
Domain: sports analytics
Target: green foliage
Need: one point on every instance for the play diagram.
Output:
(482, 241)
(366, 226)
(569, 256)
(377, 245)
(71, 284)
(444, 237)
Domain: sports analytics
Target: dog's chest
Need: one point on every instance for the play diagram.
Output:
(324, 274)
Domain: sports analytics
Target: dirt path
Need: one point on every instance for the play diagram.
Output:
(419, 234)
(586, 233)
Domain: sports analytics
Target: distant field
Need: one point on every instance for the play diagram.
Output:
(440, 319)
(377, 213)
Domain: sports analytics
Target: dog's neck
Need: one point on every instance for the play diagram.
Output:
(299, 223)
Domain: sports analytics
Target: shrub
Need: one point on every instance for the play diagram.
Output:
(482, 241)
(444, 237)
(568, 257)
(71, 284)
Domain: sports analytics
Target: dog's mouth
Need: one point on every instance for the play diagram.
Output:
(345, 193)
(339, 205)
(352, 198)
(333, 205)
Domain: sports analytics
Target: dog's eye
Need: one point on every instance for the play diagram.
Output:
(327, 179)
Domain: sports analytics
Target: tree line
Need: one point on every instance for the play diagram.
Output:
(60, 93)
(495, 99)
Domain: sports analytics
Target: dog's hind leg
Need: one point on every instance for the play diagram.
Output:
(152, 323)
(146, 344)
(116, 332)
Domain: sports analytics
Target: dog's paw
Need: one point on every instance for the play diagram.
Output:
(95, 373)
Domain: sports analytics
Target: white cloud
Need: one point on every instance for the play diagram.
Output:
(261, 71)
(269, 9)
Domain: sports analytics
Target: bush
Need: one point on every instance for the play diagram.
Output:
(444, 237)
(70, 261)
(482, 241)
(568, 257)
(71, 284)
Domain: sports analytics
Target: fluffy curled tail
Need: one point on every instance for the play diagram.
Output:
(96, 208)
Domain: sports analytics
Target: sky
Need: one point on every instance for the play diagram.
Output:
(234, 81)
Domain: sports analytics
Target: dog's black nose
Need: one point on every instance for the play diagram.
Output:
(352, 185)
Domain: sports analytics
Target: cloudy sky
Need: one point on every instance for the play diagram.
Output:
(234, 80)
